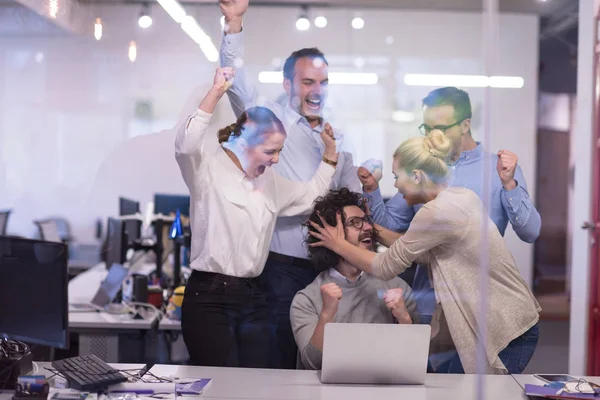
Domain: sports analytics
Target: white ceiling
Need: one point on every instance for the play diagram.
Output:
(545, 8)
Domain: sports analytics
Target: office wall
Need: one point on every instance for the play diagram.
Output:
(81, 124)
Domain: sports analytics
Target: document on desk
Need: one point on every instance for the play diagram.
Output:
(554, 393)
(183, 387)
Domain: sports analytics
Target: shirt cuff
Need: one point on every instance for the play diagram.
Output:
(231, 47)
(375, 195)
(201, 116)
(513, 197)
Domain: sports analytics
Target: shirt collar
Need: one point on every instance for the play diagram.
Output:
(334, 273)
(229, 165)
(474, 154)
(291, 117)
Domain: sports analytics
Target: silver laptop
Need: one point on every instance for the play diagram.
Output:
(107, 291)
(375, 353)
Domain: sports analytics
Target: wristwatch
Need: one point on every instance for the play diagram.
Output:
(328, 161)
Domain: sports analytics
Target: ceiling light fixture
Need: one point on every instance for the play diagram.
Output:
(174, 9)
(145, 20)
(191, 27)
(506, 82)
(335, 78)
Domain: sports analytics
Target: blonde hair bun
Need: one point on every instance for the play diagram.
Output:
(438, 144)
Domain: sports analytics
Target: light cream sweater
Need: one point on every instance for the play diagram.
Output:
(446, 233)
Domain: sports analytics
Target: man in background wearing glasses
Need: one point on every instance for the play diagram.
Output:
(449, 110)
(342, 292)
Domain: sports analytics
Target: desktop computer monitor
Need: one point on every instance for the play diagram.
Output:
(116, 242)
(169, 203)
(34, 306)
(128, 206)
(133, 228)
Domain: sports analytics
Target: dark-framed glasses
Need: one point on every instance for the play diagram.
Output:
(426, 129)
(359, 222)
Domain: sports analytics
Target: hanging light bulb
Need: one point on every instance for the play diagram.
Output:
(132, 51)
(98, 29)
(145, 20)
(358, 23)
(321, 22)
(302, 23)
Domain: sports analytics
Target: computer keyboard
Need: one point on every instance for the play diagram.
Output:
(88, 373)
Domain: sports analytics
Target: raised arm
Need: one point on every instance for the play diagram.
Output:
(522, 214)
(243, 94)
(385, 236)
(189, 141)
(430, 228)
(395, 214)
(517, 204)
(296, 198)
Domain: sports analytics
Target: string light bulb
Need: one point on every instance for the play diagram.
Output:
(132, 51)
(98, 29)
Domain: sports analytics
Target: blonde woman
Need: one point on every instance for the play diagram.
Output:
(446, 233)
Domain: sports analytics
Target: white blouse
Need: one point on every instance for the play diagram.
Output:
(232, 217)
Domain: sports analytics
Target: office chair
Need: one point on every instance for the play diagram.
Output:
(4, 221)
(48, 230)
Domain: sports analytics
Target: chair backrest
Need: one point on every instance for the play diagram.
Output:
(4, 221)
(49, 230)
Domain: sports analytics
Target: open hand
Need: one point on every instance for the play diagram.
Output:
(329, 236)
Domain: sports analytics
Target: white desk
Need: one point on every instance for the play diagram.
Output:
(167, 324)
(265, 384)
(100, 332)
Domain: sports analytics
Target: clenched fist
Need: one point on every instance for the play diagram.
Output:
(223, 79)
(394, 300)
(233, 11)
(331, 294)
(506, 167)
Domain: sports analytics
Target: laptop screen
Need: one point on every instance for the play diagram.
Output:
(111, 285)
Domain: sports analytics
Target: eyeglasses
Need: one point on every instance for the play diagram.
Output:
(359, 222)
(426, 129)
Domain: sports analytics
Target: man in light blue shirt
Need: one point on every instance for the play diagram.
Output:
(288, 269)
(449, 110)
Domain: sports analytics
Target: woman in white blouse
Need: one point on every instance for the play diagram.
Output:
(446, 234)
(235, 200)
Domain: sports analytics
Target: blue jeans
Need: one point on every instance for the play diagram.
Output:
(515, 356)
(281, 282)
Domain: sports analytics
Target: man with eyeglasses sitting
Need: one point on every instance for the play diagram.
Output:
(448, 109)
(342, 292)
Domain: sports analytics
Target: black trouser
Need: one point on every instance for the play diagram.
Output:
(282, 278)
(224, 321)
